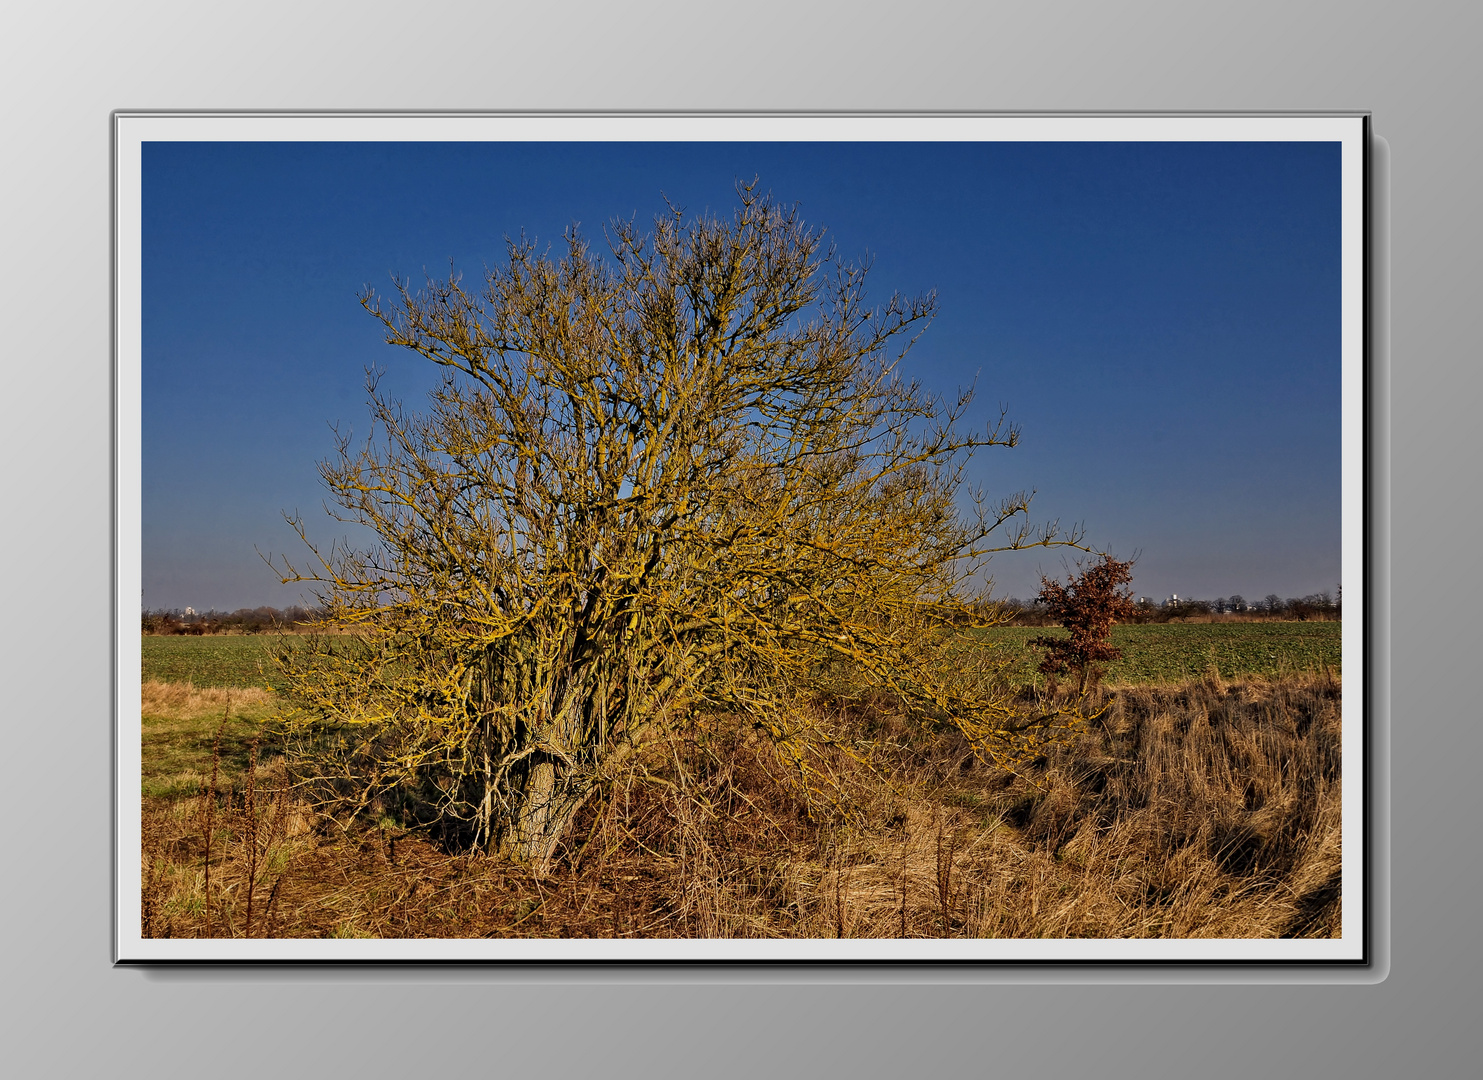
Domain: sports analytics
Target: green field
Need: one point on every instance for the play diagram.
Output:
(1155, 653)
(218, 660)
(1173, 652)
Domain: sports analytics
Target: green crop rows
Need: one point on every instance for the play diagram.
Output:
(1173, 652)
(1168, 652)
(218, 660)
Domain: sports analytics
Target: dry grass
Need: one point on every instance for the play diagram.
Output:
(1202, 810)
(185, 701)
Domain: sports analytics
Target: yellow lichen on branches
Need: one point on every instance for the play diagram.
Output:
(684, 477)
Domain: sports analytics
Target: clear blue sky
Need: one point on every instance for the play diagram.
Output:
(1162, 320)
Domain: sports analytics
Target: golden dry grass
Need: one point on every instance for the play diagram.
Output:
(185, 701)
(1209, 809)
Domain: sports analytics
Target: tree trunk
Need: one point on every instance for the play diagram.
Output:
(545, 814)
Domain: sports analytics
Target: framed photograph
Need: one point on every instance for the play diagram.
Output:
(743, 539)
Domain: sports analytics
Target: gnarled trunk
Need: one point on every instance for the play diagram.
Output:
(550, 802)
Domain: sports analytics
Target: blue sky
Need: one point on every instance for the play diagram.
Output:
(1162, 319)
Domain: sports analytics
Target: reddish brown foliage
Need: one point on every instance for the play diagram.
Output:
(1087, 605)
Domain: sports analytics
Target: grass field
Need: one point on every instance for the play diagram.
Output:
(1203, 803)
(222, 660)
(1162, 653)
(1152, 655)
(1207, 809)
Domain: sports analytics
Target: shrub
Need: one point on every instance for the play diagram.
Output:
(682, 482)
(1087, 605)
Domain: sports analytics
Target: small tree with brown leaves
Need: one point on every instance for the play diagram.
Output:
(1088, 605)
(683, 479)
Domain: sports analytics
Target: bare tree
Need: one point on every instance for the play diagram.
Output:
(683, 478)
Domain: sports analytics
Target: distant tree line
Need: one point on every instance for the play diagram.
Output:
(1315, 607)
(242, 621)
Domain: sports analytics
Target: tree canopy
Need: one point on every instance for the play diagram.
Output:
(683, 476)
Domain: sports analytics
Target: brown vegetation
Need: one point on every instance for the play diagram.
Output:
(1087, 605)
(1209, 809)
(259, 620)
(182, 700)
(1316, 607)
